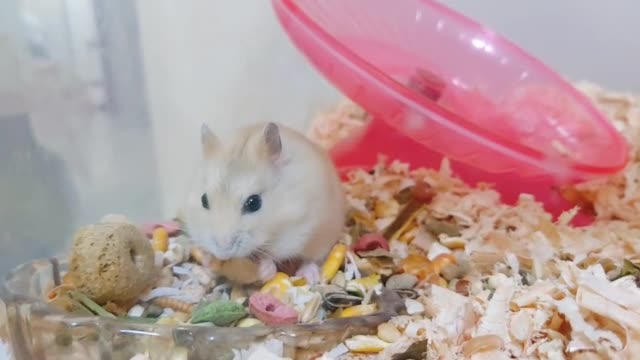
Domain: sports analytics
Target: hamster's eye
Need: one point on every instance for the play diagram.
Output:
(205, 201)
(253, 204)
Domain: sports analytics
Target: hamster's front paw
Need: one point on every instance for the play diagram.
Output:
(266, 270)
(311, 272)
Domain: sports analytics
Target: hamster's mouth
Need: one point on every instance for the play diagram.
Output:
(217, 252)
(237, 251)
(227, 254)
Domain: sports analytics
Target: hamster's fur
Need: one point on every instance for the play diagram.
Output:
(303, 204)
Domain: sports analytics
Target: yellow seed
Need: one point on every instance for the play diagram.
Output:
(277, 286)
(334, 262)
(417, 265)
(437, 280)
(408, 217)
(387, 208)
(443, 260)
(388, 332)
(364, 284)
(369, 282)
(249, 322)
(160, 239)
(364, 219)
(366, 344)
(358, 310)
(298, 281)
(407, 237)
(453, 243)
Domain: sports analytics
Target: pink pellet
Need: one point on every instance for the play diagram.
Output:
(271, 311)
(371, 242)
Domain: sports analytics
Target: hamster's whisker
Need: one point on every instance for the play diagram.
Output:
(265, 252)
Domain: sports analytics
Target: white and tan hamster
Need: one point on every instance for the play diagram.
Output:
(266, 191)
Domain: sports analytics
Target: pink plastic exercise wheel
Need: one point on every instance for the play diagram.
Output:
(437, 84)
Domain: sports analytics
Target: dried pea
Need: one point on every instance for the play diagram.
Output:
(220, 313)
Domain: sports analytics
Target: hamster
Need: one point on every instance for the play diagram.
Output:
(269, 193)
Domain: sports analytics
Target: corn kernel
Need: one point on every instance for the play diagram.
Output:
(357, 310)
(368, 282)
(407, 217)
(277, 286)
(160, 239)
(334, 262)
(366, 344)
(298, 281)
(453, 243)
(387, 208)
(442, 260)
(364, 219)
(417, 265)
(437, 280)
(407, 237)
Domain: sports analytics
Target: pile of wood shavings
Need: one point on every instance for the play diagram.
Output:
(534, 288)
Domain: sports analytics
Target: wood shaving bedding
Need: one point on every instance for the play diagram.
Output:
(537, 289)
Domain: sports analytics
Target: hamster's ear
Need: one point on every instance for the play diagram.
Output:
(272, 142)
(209, 141)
